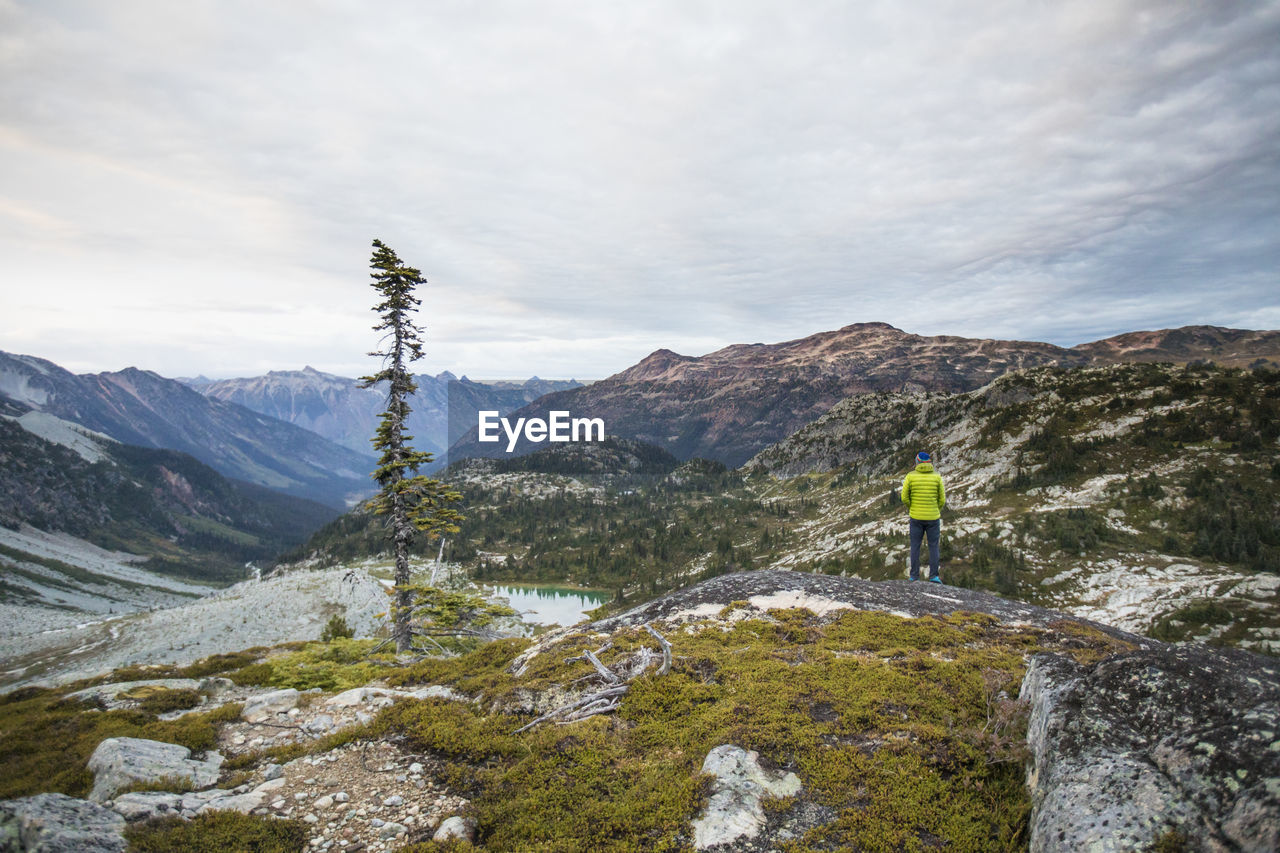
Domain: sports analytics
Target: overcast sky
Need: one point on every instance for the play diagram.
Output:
(193, 187)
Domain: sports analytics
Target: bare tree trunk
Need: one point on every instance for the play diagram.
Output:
(402, 530)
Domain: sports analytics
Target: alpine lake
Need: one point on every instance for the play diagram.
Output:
(549, 605)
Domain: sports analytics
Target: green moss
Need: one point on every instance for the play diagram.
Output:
(337, 665)
(45, 741)
(481, 669)
(1171, 841)
(163, 700)
(170, 784)
(892, 723)
(226, 832)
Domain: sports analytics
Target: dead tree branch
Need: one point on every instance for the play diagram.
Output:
(607, 700)
(666, 650)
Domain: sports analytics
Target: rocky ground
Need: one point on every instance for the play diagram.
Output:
(366, 796)
(360, 796)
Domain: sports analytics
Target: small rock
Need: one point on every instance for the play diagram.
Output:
(216, 684)
(267, 705)
(437, 691)
(320, 724)
(393, 800)
(270, 785)
(310, 781)
(324, 802)
(272, 771)
(301, 795)
(144, 805)
(278, 804)
(456, 827)
(376, 822)
(391, 830)
(243, 803)
(293, 712)
(341, 797)
(310, 818)
(415, 767)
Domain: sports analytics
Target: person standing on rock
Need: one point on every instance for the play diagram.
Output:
(925, 496)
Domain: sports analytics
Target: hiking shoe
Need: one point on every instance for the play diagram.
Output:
(935, 579)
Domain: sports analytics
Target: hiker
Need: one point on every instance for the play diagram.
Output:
(924, 495)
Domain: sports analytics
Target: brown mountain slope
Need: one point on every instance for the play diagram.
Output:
(731, 403)
(1228, 347)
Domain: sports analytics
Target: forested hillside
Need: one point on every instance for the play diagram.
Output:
(185, 517)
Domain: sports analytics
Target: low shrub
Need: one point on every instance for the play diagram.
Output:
(225, 832)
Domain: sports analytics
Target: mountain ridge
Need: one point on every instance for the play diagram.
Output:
(140, 407)
(337, 408)
(731, 403)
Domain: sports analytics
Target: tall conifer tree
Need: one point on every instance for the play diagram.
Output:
(415, 504)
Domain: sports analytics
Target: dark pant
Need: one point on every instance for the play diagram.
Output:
(919, 529)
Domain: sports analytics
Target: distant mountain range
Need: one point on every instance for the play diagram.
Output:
(732, 403)
(337, 408)
(185, 518)
(142, 408)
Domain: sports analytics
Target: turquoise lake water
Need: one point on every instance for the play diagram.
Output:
(550, 605)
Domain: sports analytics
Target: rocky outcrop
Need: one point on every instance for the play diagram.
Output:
(108, 694)
(120, 762)
(771, 590)
(56, 823)
(735, 812)
(144, 805)
(1171, 740)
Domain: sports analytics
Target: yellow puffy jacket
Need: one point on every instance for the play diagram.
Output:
(923, 493)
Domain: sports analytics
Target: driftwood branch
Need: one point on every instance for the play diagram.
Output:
(604, 671)
(666, 650)
(604, 701)
(577, 705)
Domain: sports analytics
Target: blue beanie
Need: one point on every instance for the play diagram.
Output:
(922, 456)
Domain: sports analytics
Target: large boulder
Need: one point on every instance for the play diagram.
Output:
(120, 762)
(1171, 741)
(56, 823)
(734, 812)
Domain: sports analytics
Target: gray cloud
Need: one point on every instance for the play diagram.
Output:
(583, 184)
